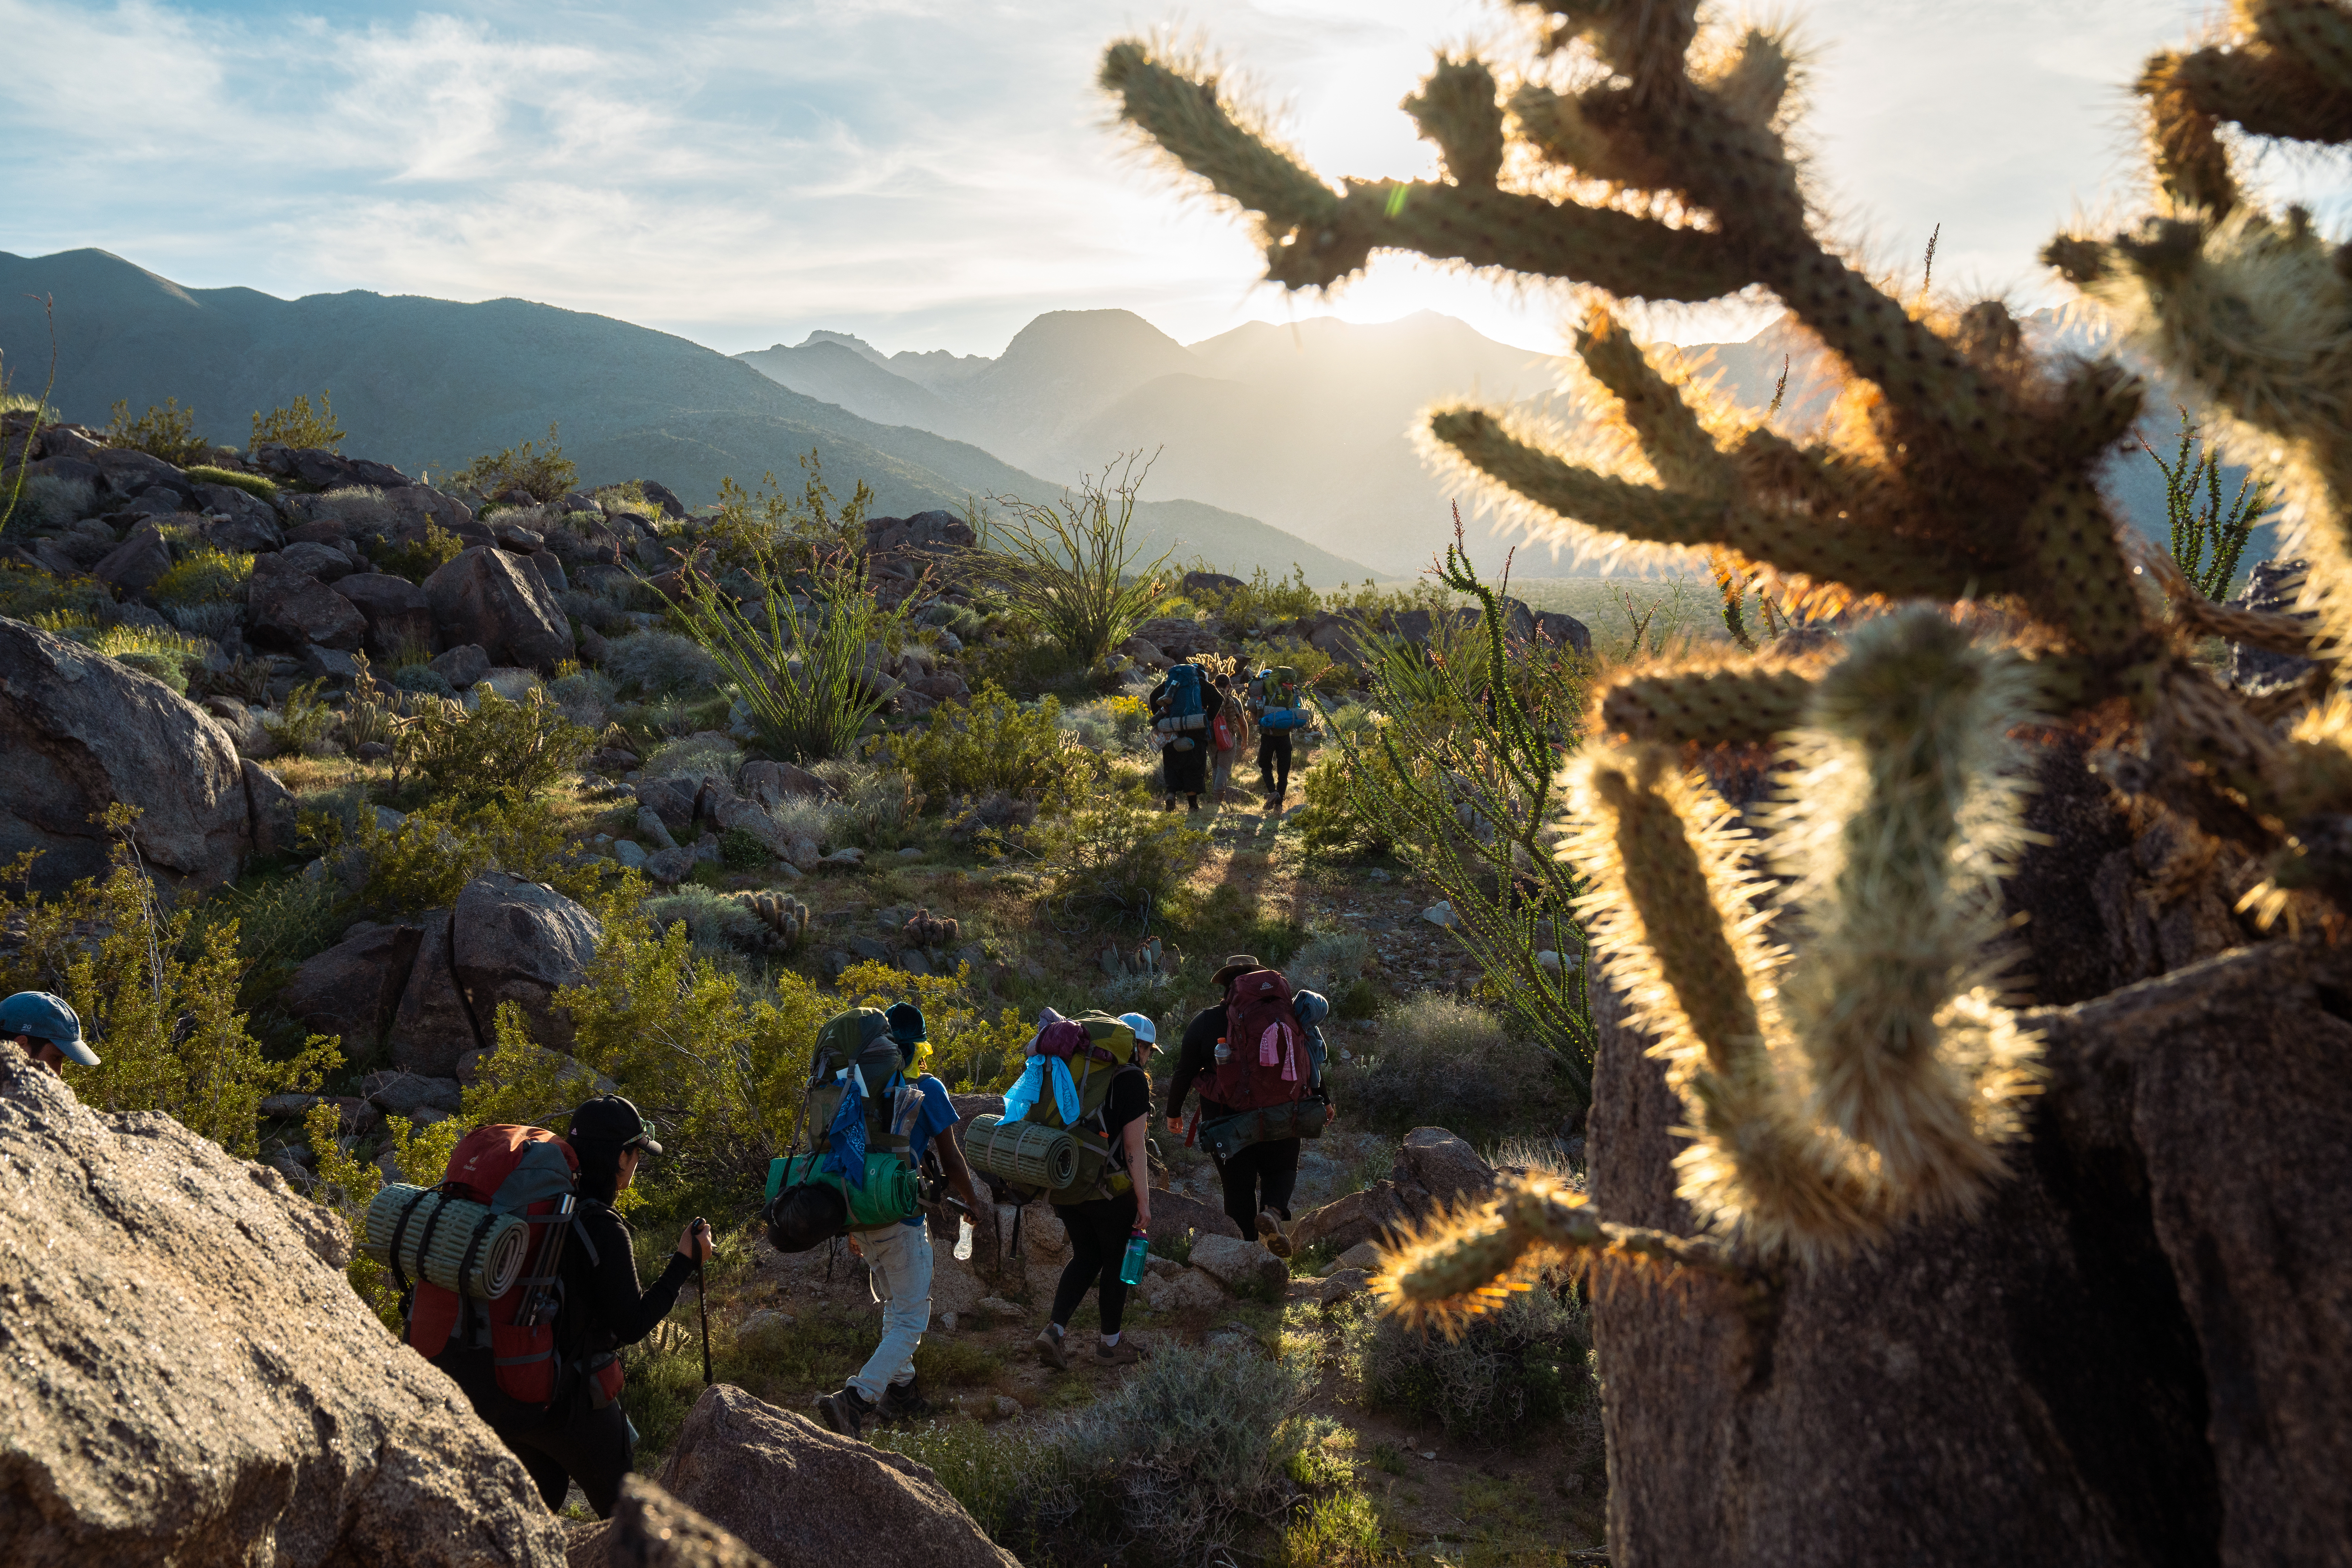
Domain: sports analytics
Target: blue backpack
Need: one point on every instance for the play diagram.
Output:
(1184, 710)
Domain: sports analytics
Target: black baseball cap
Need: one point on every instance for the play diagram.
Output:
(611, 1119)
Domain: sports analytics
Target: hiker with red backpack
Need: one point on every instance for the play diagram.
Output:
(537, 1359)
(1183, 706)
(1257, 1059)
(1229, 733)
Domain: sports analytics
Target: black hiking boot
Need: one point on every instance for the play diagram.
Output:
(847, 1411)
(905, 1400)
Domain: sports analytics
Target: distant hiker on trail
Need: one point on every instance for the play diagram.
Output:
(568, 1427)
(1274, 706)
(909, 1120)
(1229, 731)
(46, 1028)
(1258, 1059)
(1106, 1220)
(1182, 707)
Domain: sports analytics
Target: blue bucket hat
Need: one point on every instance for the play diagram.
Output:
(46, 1017)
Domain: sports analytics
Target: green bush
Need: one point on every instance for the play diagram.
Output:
(544, 475)
(296, 426)
(167, 431)
(1512, 1375)
(300, 722)
(659, 664)
(1259, 602)
(1332, 821)
(878, 806)
(26, 591)
(1067, 569)
(1444, 1063)
(425, 861)
(991, 1472)
(1120, 857)
(968, 1048)
(204, 576)
(990, 744)
(496, 748)
(158, 988)
(416, 558)
(260, 486)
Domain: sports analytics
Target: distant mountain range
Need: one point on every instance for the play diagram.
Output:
(429, 383)
(1307, 425)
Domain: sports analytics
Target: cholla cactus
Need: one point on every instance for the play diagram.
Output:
(923, 928)
(1874, 1076)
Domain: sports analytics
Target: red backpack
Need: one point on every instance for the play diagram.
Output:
(511, 1169)
(1267, 1064)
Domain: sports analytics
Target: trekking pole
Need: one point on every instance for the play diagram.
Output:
(702, 1299)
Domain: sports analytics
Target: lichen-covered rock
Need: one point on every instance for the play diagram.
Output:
(80, 732)
(186, 1377)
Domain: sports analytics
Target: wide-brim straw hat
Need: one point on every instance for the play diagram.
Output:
(1239, 963)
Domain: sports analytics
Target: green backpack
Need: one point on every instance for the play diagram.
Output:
(1039, 1156)
(857, 1041)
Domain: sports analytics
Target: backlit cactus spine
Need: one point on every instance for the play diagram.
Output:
(1874, 1077)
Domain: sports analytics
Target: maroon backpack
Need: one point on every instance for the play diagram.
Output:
(1267, 1064)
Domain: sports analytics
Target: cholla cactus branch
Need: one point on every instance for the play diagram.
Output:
(1747, 701)
(1455, 108)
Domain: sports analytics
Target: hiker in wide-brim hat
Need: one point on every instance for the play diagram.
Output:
(1258, 1180)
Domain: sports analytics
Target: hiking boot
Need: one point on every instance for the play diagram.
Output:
(1167, 804)
(903, 1401)
(847, 1411)
(1269, 1230)
(1127, 1353)
(1193, 803)
(1049, 1348)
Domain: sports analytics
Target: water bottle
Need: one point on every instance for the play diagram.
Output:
(963, 1238)
(1130, 1268)
(1224, 1052)
(909, 1106)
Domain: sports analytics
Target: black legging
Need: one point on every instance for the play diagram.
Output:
(1261, 1177)
(572, 1442)
(1098, 1233)
(1273, 753)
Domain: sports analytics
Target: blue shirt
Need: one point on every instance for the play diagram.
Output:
(938, 1115)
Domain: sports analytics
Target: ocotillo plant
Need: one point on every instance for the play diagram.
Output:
(1874, 1078)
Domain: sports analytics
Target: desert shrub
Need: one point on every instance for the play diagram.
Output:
(423, 680)
(994, 821)
(26, 591)
(990, 743)
(52, 500)
(542, 475)
(300, 722)
(968, 1048)
(806, 675)
(720, 1067)
(1332, 821)
(1443, 1062)
(260, 486)
(1260, 602)
(414, 559)
(659, 664)
(1340, 1530)
(1066, 566)
(151, 651)
(822, 822)
(204, 576)
(1512, 1373)
(158, 989)
(1118, 857)
(296, 425)
(584, 697)
(495, 748)
(361, 508)
(717, 925)
(425, 860)
(991, 1472)
(693, 756)
(214, 620)
(166, 430)
(1180, 1464)
(1107, 723)
(878, 806)
(1330, 961)
(1316, 668)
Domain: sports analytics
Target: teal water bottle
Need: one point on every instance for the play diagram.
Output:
(1130, 1268)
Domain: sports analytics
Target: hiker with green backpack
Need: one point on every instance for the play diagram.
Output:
(874, 1130)
(1275, 709)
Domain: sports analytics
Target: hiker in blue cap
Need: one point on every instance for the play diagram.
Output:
(46, 1028)
(899, 1257)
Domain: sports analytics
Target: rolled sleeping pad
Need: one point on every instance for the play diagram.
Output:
(1284, 718)
(498, 1261)
(1027, 1151)
(1172, 723)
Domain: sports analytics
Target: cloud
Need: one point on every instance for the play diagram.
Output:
(924, 173)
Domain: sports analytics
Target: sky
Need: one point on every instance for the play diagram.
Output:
(933, 174)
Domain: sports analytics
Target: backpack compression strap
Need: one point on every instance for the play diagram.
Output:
(400, 1274)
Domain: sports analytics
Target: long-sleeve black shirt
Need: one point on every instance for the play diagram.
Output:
(602, 1303)
(1195, 1058)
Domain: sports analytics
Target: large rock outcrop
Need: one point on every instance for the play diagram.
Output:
(796, 1493)
(488, 596)
(512, 941)
(80, 732)
(354, 987)
(186, 1378)
(432, 1028)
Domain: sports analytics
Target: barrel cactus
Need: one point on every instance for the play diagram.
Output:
(1825, 983)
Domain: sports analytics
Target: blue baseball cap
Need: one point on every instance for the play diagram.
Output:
(46, 1017)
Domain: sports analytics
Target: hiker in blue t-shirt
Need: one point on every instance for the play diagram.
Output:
(898, 1258)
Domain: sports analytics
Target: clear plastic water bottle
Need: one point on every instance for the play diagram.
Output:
(909, 1106)
(1130, 1268)
(1224, 1052)
(963, 1238)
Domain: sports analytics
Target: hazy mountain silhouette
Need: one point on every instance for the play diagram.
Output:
(1307, 425)
(429, 383)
